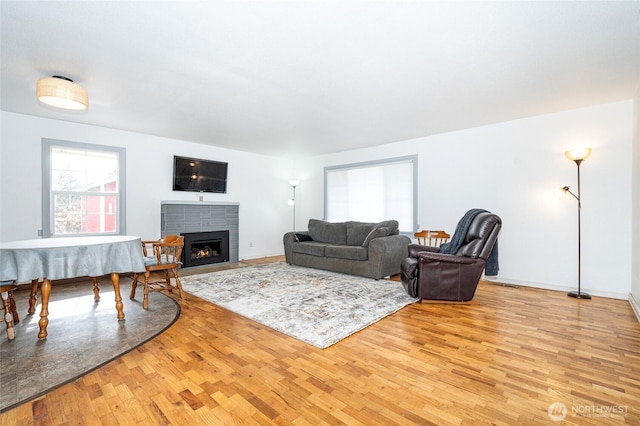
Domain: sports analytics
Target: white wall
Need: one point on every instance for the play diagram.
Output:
(513, 169)
(635, 277)
(510, 168)
(258, 183)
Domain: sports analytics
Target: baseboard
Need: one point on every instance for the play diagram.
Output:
(634, 305)
(275, 257)
(546, 286)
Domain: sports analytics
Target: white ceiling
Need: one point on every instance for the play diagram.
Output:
(300, 78)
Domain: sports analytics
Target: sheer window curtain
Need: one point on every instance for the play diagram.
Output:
(372, 192)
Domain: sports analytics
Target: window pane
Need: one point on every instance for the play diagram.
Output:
(79, 170)
(67, 159)
(101, 183)
(84, 214)
(68, 214)
(100, 214)
(66, 180)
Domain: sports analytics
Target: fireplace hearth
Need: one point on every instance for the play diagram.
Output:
(204, 248)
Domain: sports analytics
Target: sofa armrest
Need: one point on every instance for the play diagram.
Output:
(391, 243)
(288, 240)
(386, 254)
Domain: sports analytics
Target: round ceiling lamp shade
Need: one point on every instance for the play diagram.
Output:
(62, 92)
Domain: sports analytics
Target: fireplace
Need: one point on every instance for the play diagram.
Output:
(180, 217)
(204, 248)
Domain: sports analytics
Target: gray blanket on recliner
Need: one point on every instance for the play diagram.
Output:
(492, 266)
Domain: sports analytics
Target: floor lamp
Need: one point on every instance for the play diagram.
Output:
(577, 156)
(292, 201)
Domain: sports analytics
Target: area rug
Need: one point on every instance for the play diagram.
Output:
(82, 335)
(317, 307)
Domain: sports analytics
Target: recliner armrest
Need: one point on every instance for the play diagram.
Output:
(428, 256)
(414, 249)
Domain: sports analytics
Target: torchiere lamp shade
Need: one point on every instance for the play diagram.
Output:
(578, 154)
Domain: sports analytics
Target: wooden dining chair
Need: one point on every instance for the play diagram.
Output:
(161, 261)
(432, 238)
(9, 305)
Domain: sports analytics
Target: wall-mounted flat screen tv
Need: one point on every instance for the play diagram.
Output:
(194, 174)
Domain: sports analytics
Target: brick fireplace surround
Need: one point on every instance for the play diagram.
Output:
(178, 217)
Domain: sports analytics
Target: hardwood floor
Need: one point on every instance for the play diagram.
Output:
(502, 359)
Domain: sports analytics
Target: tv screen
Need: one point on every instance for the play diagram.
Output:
(194, 174)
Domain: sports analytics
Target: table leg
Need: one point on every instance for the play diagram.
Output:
(96, 290)
(6, 296)
(32, 297)
(14, 310)
(45, 289)
(115, 280)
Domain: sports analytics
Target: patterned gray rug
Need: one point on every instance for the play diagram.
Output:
(317, 307)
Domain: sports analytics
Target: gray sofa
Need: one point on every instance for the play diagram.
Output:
(373, 250)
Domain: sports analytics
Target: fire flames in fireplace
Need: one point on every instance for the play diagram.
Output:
(202, 252)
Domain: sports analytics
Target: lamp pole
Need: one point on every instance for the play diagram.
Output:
(292, 201)
(578, 156)
(294, 208)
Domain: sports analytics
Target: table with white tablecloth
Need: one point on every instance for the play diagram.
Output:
(69, 257)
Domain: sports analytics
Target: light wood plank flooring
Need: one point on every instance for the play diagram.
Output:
(502, 359)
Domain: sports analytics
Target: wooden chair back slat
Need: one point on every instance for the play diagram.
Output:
(432, 238)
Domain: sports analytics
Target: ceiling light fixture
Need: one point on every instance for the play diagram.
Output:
(62, 92)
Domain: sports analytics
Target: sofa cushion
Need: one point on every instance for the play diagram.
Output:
(347, 252)
(311, 247)
(357, 232)
(391, 224)
(303, 236)
(327, 232)
(378, 232)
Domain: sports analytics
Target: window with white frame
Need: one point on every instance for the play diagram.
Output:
(83, 189)
(373, 191)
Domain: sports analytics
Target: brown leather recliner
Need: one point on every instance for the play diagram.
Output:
(429, 273)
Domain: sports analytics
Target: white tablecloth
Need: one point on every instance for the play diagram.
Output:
(58, 258)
